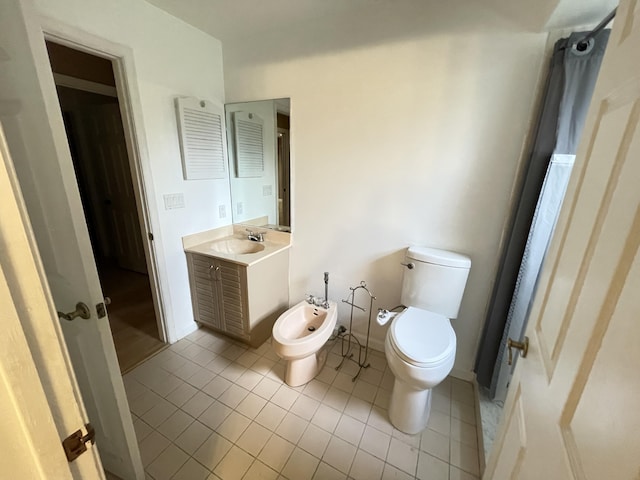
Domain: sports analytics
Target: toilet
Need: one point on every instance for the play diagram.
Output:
(420, 345)
(298, 337)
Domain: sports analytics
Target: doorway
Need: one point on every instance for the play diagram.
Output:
(88, 98)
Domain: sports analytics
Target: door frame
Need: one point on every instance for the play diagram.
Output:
(121, 58)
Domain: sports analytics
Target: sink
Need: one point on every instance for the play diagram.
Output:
(236, 246)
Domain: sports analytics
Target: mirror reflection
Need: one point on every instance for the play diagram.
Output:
(259, 166)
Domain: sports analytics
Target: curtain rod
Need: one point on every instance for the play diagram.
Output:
(582, 43)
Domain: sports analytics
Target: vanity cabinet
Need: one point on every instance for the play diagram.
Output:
(242, 301)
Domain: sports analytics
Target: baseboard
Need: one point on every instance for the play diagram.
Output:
(465, 375)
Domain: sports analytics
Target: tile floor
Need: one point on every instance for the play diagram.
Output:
(208, 408)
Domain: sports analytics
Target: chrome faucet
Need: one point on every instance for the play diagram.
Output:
(255, 236)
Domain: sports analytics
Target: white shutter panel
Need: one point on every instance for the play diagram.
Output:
(249, 139)
(201, 128)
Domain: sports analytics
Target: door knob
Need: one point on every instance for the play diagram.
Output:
(522, 346)
(409, 265)
(81, 311)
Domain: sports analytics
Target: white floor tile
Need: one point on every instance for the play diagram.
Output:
(366, 467)
(276, 452)
(233, 426)
(336, 398)
(316, 389)
(259, 471)
(251, 405)
(216, 386)
(305, 407)
(177, 423)
(457, 474)
(168, 463)
(191, 470)
(358, 409)
(234, 464)
(315, 440)
(292, 427)
(142, 429)
(249, 379)
(271, 416)
(247, 359)
(375, 442)
(212, 451)
(182, 394)
(392, 473)
(465, 457)
(435, 444)
(159, 413)
(194, 436)
(266, 388)
(233, 372)
(402, 456)
(351, 430)
(233, 396)
(197, 404)
(339, 454)
(431, 468)
(326, 418)
(301, 465)
(327, 472)
(285, 397)
(213, 416)
(152, 446)
(254, 438)
(379, 419)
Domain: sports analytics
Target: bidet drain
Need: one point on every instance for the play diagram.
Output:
(312, 329)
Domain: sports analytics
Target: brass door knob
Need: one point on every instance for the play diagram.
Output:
(522, 346)
(81, 311)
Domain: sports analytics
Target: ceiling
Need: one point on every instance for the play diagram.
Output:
(232, 21)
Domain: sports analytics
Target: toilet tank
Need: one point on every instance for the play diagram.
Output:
(437, 280)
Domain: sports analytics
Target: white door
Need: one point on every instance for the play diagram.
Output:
(39, 399)
(107, 150)
(37, 142)
(572, 409)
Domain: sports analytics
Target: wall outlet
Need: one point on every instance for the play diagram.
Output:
(222, 211)
(173, 201)
(240, 208)
(267, 190)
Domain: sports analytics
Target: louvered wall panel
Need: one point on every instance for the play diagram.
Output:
(249, 144)
(202, 139)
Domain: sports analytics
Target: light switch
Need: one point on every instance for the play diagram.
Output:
(267, 190)
(240, 208)
(222, 211)
(173, 201)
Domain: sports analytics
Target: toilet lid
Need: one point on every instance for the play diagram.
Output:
(422, 337)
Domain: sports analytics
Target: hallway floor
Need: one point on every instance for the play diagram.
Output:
(131, 315)
(208, 408)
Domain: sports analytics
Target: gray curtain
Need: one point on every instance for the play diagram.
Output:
(568, 91)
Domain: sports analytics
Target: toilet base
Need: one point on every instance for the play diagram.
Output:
(409, 408)
(303, 370)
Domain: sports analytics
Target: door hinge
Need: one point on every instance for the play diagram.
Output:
(150, 235)
(76, 443)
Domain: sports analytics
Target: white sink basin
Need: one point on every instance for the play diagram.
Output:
(236, 246)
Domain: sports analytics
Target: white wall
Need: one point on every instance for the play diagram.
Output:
(171, 59)
(414, 141)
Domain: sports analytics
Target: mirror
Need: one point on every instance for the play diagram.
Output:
(259, 167)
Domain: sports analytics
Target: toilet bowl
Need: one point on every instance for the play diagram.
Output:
(298, 337)
(420, 348)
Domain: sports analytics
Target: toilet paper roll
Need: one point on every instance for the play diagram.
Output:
(384, 316)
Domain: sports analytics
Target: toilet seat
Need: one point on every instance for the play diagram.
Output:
(422, 338)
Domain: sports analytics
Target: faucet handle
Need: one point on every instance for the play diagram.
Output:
(311, 299)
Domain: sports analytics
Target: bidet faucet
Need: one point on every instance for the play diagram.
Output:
(255, 236)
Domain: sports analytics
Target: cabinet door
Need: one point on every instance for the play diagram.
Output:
(203, 271)
(232, 299)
